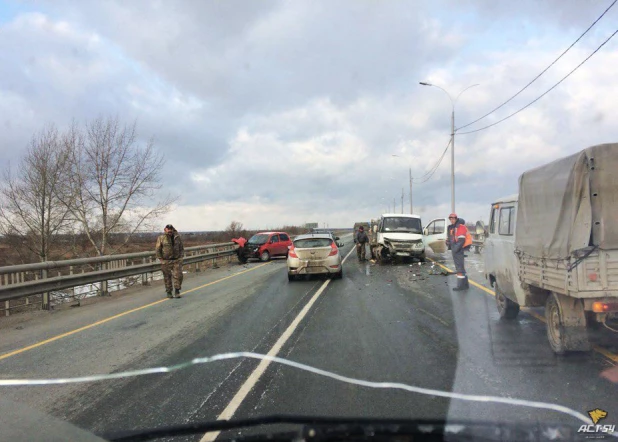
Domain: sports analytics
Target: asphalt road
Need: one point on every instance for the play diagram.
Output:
(391, 323)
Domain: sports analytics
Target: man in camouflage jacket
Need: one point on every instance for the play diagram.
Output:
(169, 250)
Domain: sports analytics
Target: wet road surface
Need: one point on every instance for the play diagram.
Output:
(390, 323)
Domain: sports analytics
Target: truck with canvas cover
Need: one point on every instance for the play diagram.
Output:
(555, 244)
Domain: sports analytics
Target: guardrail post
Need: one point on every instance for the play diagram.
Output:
(145, 275)
(104, 291)
(72, 288)
(45, 305)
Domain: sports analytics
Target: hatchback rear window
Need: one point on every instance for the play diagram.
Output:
(311, 243)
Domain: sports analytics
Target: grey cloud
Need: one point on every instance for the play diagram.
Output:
(196, 74)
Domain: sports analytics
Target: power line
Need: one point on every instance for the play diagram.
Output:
(544, 70)
(434, 168)
(545, 93)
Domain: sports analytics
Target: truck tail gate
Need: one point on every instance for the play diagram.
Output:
(599, 271)
(546, 274)
(595, 276)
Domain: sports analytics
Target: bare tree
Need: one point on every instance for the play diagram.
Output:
(234, 229)
(30, 211)
(114, 182)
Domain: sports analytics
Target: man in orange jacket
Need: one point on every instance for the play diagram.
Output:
(456, 238)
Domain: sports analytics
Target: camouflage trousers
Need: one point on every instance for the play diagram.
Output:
(172, 269)
(361, 250)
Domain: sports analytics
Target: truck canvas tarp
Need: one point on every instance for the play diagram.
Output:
(569, 204)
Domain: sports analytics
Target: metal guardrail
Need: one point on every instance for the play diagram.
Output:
(25, 280)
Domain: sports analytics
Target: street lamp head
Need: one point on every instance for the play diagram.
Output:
(424, 83)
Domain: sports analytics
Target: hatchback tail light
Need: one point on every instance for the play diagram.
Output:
(334, 250)
(292, 253)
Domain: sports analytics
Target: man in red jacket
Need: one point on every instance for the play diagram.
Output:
(456, 238)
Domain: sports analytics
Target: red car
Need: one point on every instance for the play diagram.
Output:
(265, 245)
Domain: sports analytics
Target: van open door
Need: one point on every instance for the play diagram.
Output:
(434, 235)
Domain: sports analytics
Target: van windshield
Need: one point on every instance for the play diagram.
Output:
(402, 225)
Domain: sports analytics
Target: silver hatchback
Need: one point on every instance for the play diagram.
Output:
(314, 254)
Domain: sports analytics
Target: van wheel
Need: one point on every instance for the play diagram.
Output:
(265, 256)
(507, 308)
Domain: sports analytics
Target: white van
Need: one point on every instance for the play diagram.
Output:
(397, 236)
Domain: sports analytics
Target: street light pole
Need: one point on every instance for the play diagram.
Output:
(411, 207)
(453, 102)
(453, 160)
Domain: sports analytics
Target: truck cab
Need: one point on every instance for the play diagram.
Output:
(398, 236)
(501, 263)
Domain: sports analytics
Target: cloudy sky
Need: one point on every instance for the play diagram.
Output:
(285, 112)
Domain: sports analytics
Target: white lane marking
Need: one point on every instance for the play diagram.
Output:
(254, 377)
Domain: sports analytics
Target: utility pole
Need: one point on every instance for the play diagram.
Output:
(394, 206)
(411, 207)
(453, 160)
(402, 200)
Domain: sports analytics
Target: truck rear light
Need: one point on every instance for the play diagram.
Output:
(334, 250)
(292, 253)
(592, 277)
(604, 307)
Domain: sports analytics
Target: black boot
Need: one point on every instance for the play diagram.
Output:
(169, 294)
(177, 294)
(462, 284)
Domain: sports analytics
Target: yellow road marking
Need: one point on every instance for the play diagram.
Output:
(103, 321)
(442, 321)
(608, 354)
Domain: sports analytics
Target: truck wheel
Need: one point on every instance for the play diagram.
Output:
(265, 256)
(566, 324)
(555, 333)
(507, 308)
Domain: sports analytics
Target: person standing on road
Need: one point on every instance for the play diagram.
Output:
(456, 238)
(169, 250)
(361, 241)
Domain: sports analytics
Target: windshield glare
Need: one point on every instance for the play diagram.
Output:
(258, 239)
(146, 144)
(402, 224)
